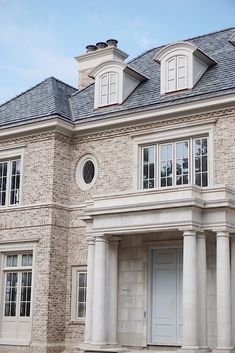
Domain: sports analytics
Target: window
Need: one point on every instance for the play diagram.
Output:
(177, 73)
(79, 289)
(86, 172)
(175, 163)
(17, 295)
(109, 88)
(10, 171)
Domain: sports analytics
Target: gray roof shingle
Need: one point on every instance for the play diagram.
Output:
(218, 79)
(51, 96)
(55, 97)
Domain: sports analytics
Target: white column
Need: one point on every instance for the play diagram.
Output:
(99, 294)
(112, 290)
(190, 324)
(233, 287)
(89, 295)
(223, 292)
(202, 295)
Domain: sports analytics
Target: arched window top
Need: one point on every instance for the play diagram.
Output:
(176, 73)
(108, 88)
(182, 65)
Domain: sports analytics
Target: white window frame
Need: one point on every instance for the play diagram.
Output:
(176, 69)
(173, 133)
(74, 294)
(191, 156)
(108, 96)
(79, 172)
(11, 248)
(8, 156)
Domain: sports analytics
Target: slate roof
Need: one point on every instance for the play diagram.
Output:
(217, 80)
(49, 97)
(55, 97)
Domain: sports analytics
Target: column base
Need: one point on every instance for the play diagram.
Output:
(99, 347)
(189, 349)
(223, 350)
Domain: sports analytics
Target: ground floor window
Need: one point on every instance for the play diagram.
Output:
(79, 290)
(17, 295)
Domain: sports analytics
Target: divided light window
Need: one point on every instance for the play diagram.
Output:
(10, 171)
(81, 294)
(109, 88)
(177, 71)
(18, 285)
(175, 163)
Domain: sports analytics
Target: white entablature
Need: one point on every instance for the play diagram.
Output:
(182, 65)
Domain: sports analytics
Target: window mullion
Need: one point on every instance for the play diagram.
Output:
(8, 183)
(156, 168)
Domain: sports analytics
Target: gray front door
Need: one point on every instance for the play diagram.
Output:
(166, 297)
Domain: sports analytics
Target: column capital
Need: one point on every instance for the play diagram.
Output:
(222, 233)
(101, 237)
(189, 232)
(201, 234)
(90, 240)
(114, 240)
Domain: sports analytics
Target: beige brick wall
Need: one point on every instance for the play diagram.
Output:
(50, 162)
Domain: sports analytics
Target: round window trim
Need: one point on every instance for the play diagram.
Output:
(86, 172)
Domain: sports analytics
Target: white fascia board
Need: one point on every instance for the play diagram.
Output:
(46, 124)
(175, 110)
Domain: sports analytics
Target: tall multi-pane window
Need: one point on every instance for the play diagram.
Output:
(201, 161)
(148, 167)
(166, 163)
(10, 172)
(17, 295)
(179, 163)
(182, 162)
(18, 283)
(81, 294)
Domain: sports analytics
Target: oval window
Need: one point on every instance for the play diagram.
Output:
(86, 172)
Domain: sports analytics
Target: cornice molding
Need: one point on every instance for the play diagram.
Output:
(123, 122)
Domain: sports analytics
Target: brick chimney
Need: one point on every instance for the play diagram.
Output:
(96, 55)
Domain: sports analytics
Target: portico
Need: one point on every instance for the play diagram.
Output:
(123, 233)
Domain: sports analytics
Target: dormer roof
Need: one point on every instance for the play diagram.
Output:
(53, 97)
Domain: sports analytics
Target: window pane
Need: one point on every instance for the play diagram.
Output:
(15, 182)
(3, 183)
(201, 162)
(148, 167)
(182, 158)
(25, 298)
(82, 279)
(27, 260)
(11, 279)
(81, 293)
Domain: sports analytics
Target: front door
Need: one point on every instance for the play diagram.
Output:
(166, 297)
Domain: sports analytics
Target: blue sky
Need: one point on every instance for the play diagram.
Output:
(39, 38)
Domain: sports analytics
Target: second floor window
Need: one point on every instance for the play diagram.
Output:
(175, 163)
(109, 88)
(10, 171)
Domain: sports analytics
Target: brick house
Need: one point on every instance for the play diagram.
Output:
(117, 203)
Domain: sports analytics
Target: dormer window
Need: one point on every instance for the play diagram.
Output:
(182, 66)
(114, 82)
(108, 88)
(177, 70)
